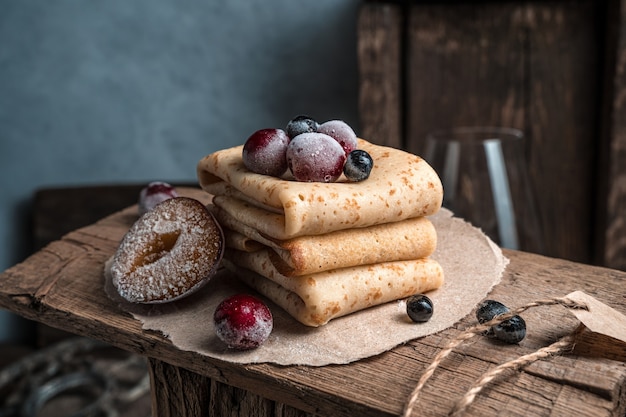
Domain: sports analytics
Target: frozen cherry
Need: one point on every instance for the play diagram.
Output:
(510, 331)
(153, 194)
(243, 322)
(358, 165)
(341, 132)
(419, 308)
(264, 152)
(315, 157)
(301, 124)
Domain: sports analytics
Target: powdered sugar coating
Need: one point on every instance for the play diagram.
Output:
(168, 253)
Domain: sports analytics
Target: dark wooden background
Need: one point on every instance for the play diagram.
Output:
(553, 69)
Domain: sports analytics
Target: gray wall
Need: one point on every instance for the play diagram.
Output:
(115, 91)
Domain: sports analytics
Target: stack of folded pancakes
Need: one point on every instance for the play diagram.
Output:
(324, 250)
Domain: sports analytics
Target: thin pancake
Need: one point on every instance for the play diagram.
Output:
(315, 299)
(404, 240)
(401, 186)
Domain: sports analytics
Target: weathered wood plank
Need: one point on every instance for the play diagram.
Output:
(380, 71)
(611, 198)
(171, 396)
(235, 402)
(532, 66)
(52, 207)
(563, 95)
(465, 67)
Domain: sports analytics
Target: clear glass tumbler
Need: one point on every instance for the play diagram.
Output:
(486, 182)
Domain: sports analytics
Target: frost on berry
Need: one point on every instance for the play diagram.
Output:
(358, 165)
(341, 132)
(301, 124)
(154, 193)
(243, 322)
(264, 152)
(315, 157)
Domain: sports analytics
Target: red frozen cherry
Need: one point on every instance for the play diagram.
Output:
(154, 193)
(315, 157)
(243, 322)
(264, 152)
(341, 132)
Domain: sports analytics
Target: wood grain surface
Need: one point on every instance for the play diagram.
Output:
(611, 220)
(62, 286)
(381, 71)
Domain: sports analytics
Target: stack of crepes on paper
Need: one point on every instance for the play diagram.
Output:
(324, 250)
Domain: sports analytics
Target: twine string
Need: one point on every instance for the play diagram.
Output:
(480, 329)
(565, 343)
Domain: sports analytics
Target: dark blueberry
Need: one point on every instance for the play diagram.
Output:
(489, 309)
(358, 165)
(419, 308)
(510, 331)
(301, 124)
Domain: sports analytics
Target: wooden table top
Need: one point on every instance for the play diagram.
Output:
(62, 286)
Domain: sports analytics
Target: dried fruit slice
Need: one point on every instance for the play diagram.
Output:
(169, 253)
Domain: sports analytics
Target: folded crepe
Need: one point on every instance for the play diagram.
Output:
(403, 240)
(315, 299)
(401, 186)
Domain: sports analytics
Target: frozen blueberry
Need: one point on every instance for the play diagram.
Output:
(489, 309)
(419, 308)
(301, 124)
(358, 165)
(510, 331)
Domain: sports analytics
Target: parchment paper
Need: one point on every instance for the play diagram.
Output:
(598, 317)
(472, 265)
